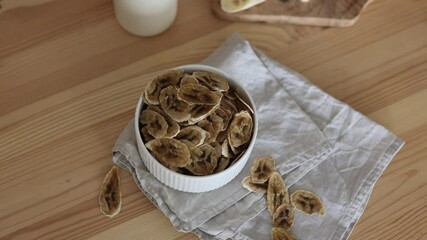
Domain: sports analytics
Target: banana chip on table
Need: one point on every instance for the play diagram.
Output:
(264, 179)
(110, 195)
(262, 168)
(254, 187)
(284, 216)
(307, 202)
(278, 233)
(277, 193)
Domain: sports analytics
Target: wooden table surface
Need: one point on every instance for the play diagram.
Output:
(70, 78)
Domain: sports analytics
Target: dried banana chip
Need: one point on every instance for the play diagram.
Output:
(205, 163)
(230, 105)
(169, 151)
(110, 195)
(278, 233)
(284, 216)
(247, 106)
(222, 136)
(277, 193)
(194, 134)
(155, 86)
(225, 115)
(212, 81)
(155, 123)
(198, 94)
(226, 151)
(236, 150)
(307, 202)
(254, 187)
(240, 131)
(178, 110)
(230, 95)
(213, 124)
(188, 79)
(223, 163)
(217, 147)
(195, 152)
(262, 168)
(146, 135)
(173, 126)
(200, 112)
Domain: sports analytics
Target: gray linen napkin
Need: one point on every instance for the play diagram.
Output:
(300, 126)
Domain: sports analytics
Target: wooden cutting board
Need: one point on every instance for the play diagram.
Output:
(332, 13)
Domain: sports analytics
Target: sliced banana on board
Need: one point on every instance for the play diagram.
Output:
(232, 6)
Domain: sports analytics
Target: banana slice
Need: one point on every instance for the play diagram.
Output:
(307, 202)
(205, 163)
(155, 123)
(169, 152)
(194, 134)
(254, 187)
(278, 233)
(232, 6)
(110, 195)
(284, 216)
(277, 193)
(261, 169)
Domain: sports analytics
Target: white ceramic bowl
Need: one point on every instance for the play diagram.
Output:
(196, 184)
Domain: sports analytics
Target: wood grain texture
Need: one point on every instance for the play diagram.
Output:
(70, 78)
(331, 13)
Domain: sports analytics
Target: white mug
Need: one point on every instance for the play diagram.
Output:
(145, 17)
